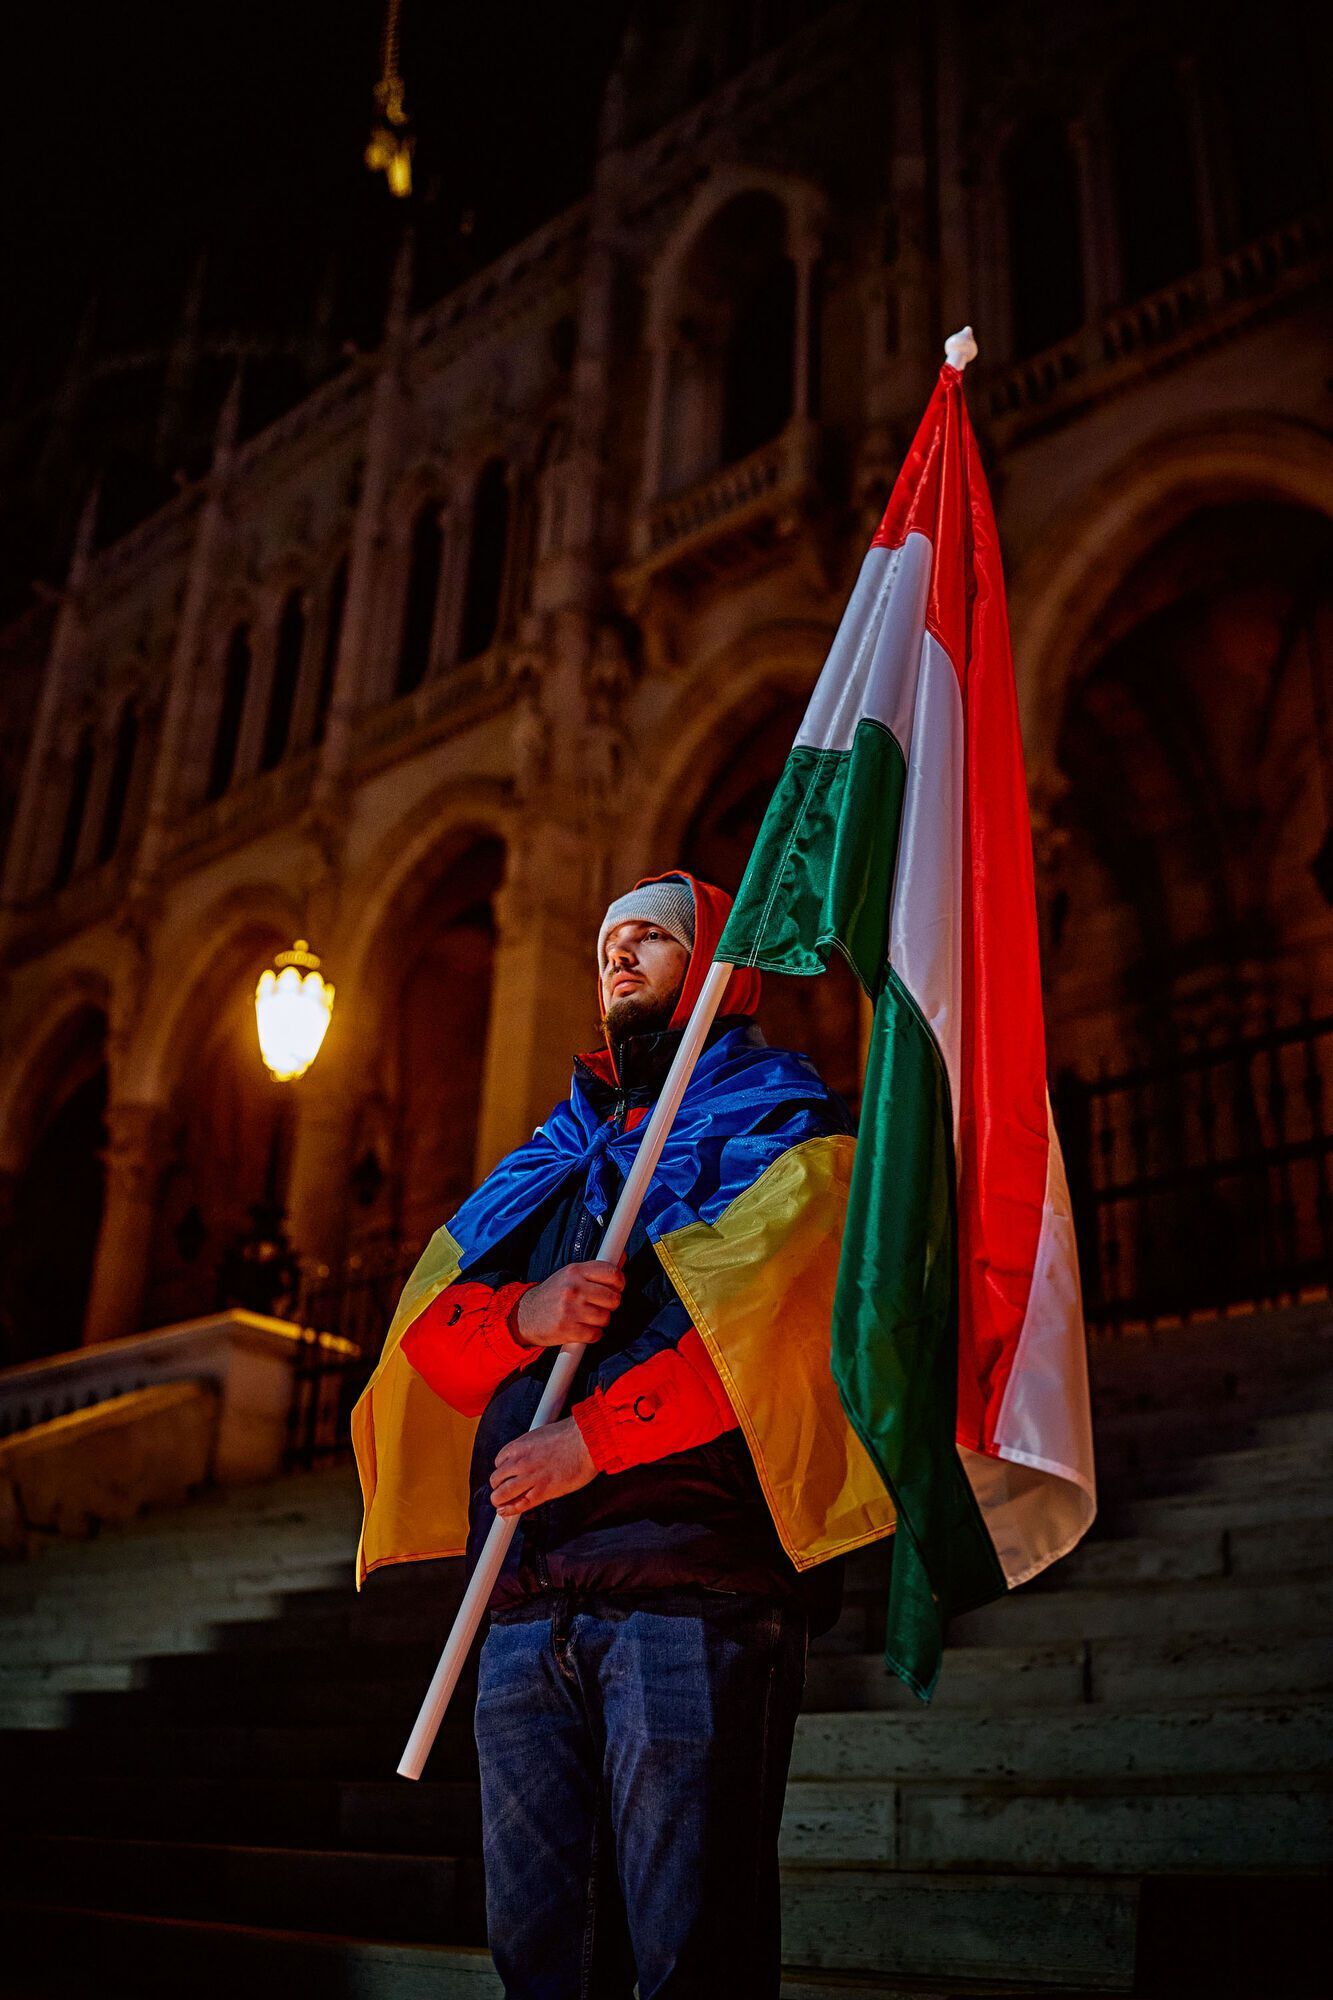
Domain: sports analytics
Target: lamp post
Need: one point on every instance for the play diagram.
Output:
(293, 1003)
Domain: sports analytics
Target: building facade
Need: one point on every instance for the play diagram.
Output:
(528, 603)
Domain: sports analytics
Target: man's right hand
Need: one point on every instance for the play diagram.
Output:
(571, 1306)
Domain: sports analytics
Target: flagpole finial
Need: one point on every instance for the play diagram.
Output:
(960, 348)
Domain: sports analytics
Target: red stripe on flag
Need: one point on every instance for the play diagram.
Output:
(941, 492)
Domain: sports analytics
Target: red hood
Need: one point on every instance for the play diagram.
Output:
(712, 907)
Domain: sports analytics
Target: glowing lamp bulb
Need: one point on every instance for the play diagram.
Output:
(292, 1008)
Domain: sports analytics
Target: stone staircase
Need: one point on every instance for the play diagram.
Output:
(1125, 1783)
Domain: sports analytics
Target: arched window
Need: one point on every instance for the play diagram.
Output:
(118, 791)
(1157, 211)
(423, 592)
(235, 686)
(333, 631)
(486, 560)
(1276, 168)
(76, 806)
(286, 674)
(757, 385)
(1045, 247)
(730, 354)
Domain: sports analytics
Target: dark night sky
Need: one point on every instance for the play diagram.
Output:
(134, 136)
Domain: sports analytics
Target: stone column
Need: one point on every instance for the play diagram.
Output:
(543, 993)
(1205, 178)
(804, 255)
(33, 800)
(135, 1154)
(357, 640)
(173, 760)
(317, 1186)
(1101, 262)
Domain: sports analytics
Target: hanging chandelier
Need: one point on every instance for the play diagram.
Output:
(293, 1003)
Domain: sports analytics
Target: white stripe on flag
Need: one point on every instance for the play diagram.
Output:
(872, 665)
(926, 935)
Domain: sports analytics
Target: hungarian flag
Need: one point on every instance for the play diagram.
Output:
(899, 835)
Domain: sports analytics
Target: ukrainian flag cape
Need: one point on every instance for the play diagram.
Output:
(745, 1211)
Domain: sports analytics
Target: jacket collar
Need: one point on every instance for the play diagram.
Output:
(641, 1063)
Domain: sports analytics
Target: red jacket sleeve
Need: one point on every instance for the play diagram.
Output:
(669, 1402)
(467, 1341)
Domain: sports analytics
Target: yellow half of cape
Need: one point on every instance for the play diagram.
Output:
(758, 1284)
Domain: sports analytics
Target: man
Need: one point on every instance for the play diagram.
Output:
(640, 1680)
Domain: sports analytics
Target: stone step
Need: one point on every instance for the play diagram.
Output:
(1065, 1825)
(385, 1815)
(1112, 1827)
(68, 1676)
(429, 1899)
(1255, 1470)
(1276, 1740)
(52, 1950)
(1055, 1929)
(1158, 1610)
(1171, 1516)
(147, 1590)
(1278, 1549)
(251, 1628)
(108, 1564)
(212, 1749)
(1011, 1927)
(1123, 1672)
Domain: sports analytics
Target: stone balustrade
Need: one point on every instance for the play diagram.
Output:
(247, 1359)
(1165, 323)
(768, 481)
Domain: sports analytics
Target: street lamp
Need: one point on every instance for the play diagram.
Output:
(292, 1009)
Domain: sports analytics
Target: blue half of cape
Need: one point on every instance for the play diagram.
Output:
(745, 1105)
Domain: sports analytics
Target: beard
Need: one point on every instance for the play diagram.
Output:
(638, 1014)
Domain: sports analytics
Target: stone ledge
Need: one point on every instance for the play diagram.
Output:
(79, 1473)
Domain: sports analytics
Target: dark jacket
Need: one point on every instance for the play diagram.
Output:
(693, 1520)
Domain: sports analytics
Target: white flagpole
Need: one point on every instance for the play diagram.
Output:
(491, 1560)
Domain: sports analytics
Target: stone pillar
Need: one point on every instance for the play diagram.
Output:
(654, 430)
(173, 746)
(357, 639)
(33, 799)
(1205, 178)
(317, 1186)
(135, 1154)
(1101, 261)
(804, 255)
(543, 993)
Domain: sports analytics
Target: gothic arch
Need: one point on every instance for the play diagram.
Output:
(1061, 593)
(54, 1181)
(802, 202)
(714, 708)
(405, 858)
(420, 976)
(35, 1050)
(217, 947)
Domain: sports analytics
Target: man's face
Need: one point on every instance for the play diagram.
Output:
(642, 975)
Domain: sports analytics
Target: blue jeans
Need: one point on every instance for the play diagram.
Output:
(634, 1758)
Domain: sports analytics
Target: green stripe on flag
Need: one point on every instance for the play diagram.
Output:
(821, 874)
(895, 1336)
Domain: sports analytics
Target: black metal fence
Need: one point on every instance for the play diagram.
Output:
(1205, 1180)
(344, 1317)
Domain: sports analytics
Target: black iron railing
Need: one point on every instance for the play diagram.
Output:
(344, 1317)
(1205, 1180)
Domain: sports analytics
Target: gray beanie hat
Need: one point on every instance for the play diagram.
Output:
(669, 905)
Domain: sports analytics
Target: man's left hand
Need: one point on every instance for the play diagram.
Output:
(540, 1465)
